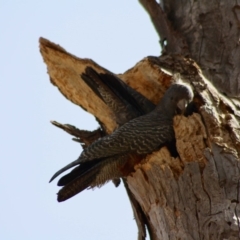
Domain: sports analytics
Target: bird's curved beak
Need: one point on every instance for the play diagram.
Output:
(182, 105)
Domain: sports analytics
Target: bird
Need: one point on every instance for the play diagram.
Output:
(125, 102)
(115, 155)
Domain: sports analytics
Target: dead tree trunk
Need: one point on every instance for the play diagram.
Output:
(196, 195)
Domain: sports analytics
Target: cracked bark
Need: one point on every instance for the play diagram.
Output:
(196, 195)
(210, 30)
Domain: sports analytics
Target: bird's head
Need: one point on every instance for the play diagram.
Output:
(177, 98)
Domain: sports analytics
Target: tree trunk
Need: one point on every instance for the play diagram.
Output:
(196, 195)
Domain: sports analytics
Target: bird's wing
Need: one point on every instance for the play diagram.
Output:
(142, 135)
(124, 101)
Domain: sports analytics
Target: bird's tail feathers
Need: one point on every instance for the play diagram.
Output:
(77, 172)
(78, 184)
(90, 176)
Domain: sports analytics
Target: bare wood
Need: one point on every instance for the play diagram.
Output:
(64, 70)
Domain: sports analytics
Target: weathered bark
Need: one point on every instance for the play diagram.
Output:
(196, 195)
(207, 31)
